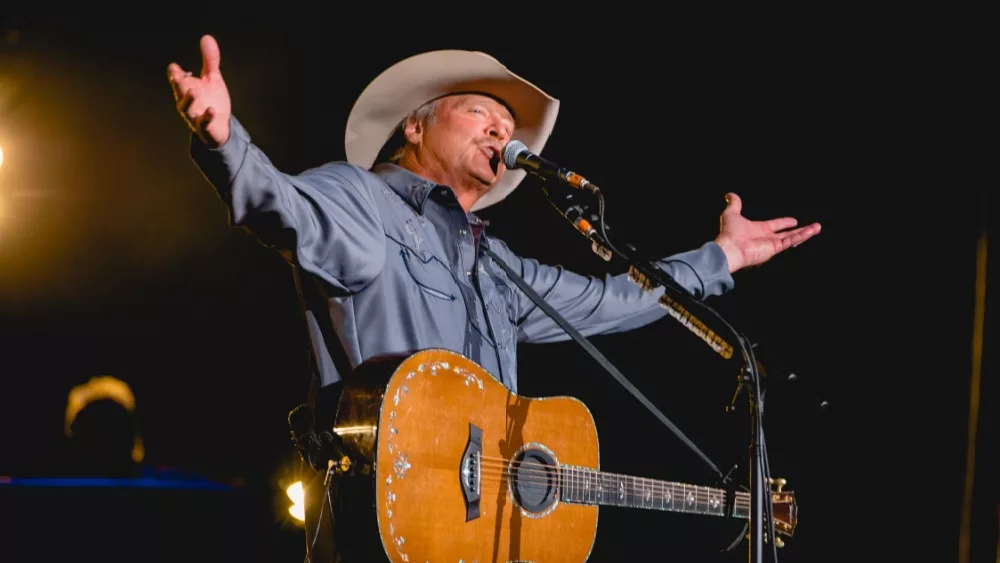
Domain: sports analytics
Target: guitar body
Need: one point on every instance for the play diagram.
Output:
(440, 433)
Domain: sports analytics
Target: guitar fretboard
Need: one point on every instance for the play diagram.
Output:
(582, 485)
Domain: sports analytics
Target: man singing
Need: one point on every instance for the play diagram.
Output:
(390, 237)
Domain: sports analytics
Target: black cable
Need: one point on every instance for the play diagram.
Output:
(319, 519)
(761, 452)
(604, 235)
(767, 471)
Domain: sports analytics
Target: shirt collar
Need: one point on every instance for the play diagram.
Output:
(415, 190)
(412, 188)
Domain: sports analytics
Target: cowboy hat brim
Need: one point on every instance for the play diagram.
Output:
(419, 79)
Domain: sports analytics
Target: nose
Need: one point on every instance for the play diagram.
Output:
(497, 130)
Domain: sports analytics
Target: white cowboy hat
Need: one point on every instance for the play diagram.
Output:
(412, 82)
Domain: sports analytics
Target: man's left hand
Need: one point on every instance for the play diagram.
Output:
(750, 243)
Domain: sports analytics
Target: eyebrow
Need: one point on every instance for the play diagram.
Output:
(506, 108)
(509, 116)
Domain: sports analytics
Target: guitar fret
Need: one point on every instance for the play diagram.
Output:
(583, 485)
(629, 487)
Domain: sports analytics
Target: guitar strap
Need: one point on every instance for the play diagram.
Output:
(315, 445)
(596, 354)
(314, 440)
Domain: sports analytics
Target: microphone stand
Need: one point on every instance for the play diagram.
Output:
(722, 337)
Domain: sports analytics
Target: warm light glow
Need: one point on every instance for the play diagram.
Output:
(1, 157)
(296, 492)
(298, 496)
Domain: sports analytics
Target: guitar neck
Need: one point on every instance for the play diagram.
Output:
(581, 485)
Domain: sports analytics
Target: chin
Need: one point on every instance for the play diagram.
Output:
(491, 182)
(485, 179)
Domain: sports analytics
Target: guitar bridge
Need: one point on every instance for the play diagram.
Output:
(470, 472)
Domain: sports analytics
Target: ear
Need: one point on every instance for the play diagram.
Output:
(414, 130)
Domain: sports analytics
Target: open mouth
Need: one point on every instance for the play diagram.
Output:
(493, 155)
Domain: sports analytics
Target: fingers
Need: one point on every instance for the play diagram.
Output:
(210, 56)
(176, 75)
(184, 103)
(202, 122)
(192, 108)
(197, 115)
(782, 223)
(733, 203)
(187, 89)
(182, 83)
(798, 236)
(174, 72)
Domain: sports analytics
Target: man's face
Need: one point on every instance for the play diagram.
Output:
(466, 138)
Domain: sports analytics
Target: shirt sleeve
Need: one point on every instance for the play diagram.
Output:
(326, 216)
(611, 304)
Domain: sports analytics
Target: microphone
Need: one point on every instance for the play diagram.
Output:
(516, 156)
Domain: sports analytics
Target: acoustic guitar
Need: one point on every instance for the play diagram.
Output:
(454, 467)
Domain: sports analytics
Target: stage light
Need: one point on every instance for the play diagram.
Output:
(297, 494)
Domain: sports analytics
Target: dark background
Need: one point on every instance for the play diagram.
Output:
(116, 258)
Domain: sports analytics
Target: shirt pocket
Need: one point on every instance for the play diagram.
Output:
(428, 274)
(505, 298)
(504, 312)
(505, 291)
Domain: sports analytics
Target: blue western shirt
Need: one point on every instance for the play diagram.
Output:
(402, 269)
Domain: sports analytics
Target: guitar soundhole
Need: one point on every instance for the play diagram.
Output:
(534, 480)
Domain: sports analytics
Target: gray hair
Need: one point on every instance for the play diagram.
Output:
(425, 114)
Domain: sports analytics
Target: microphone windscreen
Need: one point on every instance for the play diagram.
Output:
(510, 153)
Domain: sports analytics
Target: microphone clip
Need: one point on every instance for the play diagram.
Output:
(576, 214)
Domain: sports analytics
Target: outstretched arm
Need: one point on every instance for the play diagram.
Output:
(616, 304)
(326, 216)
(613, 303)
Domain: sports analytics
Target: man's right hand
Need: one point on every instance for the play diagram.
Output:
(203, 101)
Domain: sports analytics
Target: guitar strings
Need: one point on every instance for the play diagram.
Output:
(650, 493)
(501, 464)
(701, 497)
(640, 496)
(535, 468)
(530, 472)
